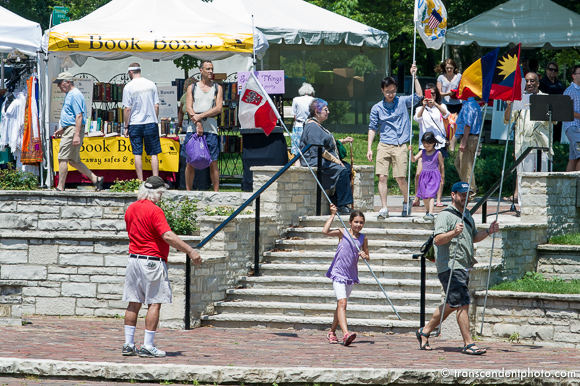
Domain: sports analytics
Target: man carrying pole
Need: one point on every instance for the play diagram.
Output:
(391, 117)
(454, 256)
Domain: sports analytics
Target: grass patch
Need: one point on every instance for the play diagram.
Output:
(536, 282)
(570, 239)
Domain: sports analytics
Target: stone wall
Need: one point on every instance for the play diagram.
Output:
(561, 261)
(549, 319)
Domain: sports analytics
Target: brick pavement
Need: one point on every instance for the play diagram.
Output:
(80, 344)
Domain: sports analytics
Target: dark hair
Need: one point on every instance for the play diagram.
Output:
(203, 62)
(389, 80)
(441, 68)
(573, 71)
(551, 62)
(429, 137)
(356, 213)
(316, 106)
(437, 93)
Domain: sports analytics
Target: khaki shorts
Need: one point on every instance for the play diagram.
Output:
(395, 154)
(67, 151)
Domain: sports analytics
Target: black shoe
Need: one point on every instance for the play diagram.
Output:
(99, 184)
(344, 210)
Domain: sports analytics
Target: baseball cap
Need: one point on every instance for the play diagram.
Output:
(155, 182)
(461, 187)
(63, 76)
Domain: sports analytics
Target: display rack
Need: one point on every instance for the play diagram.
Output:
(230, 159)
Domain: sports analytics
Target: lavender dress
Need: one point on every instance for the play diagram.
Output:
(430, 177)
(344, 267)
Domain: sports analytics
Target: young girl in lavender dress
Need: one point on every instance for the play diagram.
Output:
(344, 271)
(431, 174)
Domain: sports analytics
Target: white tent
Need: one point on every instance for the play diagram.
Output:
(18, 33)
(534, 23)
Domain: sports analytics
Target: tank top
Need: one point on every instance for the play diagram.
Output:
(430, 162)
(344, 267)
(202, 102)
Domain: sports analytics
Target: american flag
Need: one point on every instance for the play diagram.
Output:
(434, 19)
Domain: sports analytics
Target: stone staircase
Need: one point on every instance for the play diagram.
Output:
(293, 292)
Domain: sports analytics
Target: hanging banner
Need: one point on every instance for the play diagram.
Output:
(272, 81)
(114, 153)
(431, 19)
(240, 43)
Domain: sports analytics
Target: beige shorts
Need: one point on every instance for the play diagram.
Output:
(146, 282)
(67, 151)
(392, 154)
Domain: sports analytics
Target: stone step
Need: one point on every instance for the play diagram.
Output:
(324, 283)
(319, 257)
(329, 244)
(376, 297)
(371, 233)
(371, 221)
(319, 270)
(359, 311)
(300, 322)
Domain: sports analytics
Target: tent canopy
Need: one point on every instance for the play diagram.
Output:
(156, 29)
(534, 23)
(297, 22)
(18, 33)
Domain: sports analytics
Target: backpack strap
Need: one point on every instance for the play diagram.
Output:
(456, 213)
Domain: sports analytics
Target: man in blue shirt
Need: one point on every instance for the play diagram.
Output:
(572, 128)
(469, 123)
(391, 117)
(71, 132)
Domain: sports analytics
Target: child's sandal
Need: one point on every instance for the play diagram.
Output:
(332, 339)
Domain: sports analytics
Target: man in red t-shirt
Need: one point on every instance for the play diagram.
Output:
(146, 279)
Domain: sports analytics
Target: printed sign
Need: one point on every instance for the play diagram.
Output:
(60, 15)
(167, 101)
(272, 81)
(114, 153)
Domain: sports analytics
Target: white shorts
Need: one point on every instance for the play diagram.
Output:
(146, 282)
(341, 290)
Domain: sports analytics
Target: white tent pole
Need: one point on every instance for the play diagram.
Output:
(254, 43)
(411, 121)
(48, 144)
(2, 70)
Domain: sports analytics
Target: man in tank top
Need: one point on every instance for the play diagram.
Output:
(204, 102)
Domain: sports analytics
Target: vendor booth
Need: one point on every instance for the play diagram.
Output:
(20, 92)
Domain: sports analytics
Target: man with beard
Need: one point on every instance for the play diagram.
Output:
(454, 241)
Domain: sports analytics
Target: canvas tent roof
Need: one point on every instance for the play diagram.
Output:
(297, 22)
(18, 33)
(534, 23)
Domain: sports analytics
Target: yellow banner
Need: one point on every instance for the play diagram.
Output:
(114, 153)
(241, 43)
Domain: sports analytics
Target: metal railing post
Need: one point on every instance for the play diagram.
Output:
(257, 239)
(187, 322)
(423, 289)
(318, 190)
(484, 213)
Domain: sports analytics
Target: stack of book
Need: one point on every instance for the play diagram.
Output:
(107, 92)
(230, 144)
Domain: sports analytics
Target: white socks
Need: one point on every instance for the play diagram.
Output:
(130, 335)
(148, 340)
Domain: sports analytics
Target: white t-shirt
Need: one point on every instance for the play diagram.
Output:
(301, 107)
(141, 96)
(432, 120)
(447, 86)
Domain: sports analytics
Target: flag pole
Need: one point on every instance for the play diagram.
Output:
(411, 121)
(322, 189)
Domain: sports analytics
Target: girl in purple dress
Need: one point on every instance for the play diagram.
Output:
(344, 271)
(432, 173)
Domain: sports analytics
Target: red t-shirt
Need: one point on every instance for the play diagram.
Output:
(145, 224)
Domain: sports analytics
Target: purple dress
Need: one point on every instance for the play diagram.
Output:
(430, 177)
(344, 267)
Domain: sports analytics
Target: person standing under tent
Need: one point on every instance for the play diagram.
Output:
(454, 240)
(301, 110)
(572, 128)
(146, 278)
(141, 116)
(71, 132)
(204, 101)
(391, 118)
(469, 125)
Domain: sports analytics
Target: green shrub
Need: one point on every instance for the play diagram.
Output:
(223, 211)
(569, 239)
(536, 282)
(181, 215)
(15, 179)
(128, 186)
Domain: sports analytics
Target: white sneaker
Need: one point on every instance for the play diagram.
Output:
(151, 352)
(406, 208)
(383, 213)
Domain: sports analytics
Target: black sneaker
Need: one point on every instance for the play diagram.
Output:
(344, 210)
(129, 350)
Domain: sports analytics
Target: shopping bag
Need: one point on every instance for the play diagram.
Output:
(197, 152)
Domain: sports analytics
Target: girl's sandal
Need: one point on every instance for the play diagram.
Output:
(348, 338)
(332, 339)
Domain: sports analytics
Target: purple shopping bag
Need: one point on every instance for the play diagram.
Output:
(197, 152)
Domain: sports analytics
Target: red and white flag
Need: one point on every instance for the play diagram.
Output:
(256, 108)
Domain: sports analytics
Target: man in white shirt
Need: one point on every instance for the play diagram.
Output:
(141, 103)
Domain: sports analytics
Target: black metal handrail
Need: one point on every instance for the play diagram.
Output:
(254, 197)
(510, 170)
